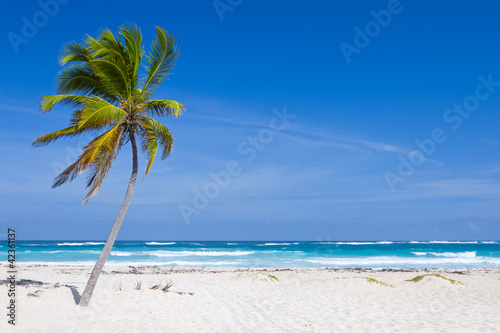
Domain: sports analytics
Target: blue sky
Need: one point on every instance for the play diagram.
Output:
(391, 129)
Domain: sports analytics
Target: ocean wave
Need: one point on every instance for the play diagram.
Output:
(122, 254)
(197, 263)
(452, 242)
(273, 244)
(196, 253)
(112, 262)
(446, 242)
(64, 251)
(281, 251)
(232, 243)
(354, 243)
(80, 244)
(467, 254)
(85, 252)
(157, 243)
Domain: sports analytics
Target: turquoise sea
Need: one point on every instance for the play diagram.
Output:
(377, 254)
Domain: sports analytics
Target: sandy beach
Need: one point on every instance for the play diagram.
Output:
(255, 300)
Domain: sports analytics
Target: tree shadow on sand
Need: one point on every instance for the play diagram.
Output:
(76, 294)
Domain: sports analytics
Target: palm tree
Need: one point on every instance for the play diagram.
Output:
(110, 95)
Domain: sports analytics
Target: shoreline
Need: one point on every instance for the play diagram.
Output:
(236, 299)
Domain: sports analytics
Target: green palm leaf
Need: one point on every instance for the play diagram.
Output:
(73, 51)
(133, 41)
(155, 135)
(80, 78)
(94, 152)
(164, 108)
(98, 113)
(160, 58)
(51, 137)
(113, 74)
(48, 102)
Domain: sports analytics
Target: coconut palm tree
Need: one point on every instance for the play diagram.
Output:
(110, 95)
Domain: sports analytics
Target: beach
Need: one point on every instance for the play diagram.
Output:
(211, 299)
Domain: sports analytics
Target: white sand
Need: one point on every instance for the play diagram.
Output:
(240, 300)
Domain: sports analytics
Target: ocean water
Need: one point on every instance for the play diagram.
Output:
(381, 254)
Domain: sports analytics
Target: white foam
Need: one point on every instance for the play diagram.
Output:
(451, 242)
(157, 243)
(195, 253)
(467, 254)
(198, 263)
(232, 243)
(273, 244)
(79, 244)
(70, 251)
(362, 243)
(85, 251)
(122, 254)
(134, 263)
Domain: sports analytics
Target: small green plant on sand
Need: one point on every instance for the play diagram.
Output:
(167, 287)
(369, 279)
(420, 277)
(372, 280)
(272, 277)
(156, 286)
(263, 277)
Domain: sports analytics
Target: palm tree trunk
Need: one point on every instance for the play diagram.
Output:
(89, 289)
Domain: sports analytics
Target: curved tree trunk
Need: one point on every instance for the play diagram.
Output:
(89, 289)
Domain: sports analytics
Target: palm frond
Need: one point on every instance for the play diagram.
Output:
(160, 59)
(113, 74)
(51, 137)
(98, 113)
(98, 150)
(48, 102)
(74, 51)
(101, 168)
(155, 135)
(163, 108)
(106, 46)
(133, 42)
(80, 78)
